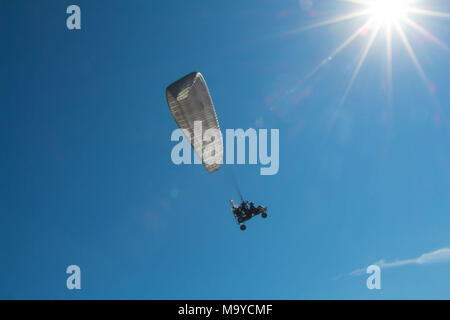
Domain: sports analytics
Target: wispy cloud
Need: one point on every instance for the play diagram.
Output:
(440, 255)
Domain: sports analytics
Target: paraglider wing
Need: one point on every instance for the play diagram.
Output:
(190, 104)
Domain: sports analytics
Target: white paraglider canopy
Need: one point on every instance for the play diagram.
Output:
(193, 110)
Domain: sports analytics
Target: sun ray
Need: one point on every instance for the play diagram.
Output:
(341, 47)
(413, 55)
(338, 19)
(389, 62)
(429, 12)
(360, 2)
(361, 62)
(426, 33)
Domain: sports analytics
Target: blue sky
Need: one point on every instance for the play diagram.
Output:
(87, 177)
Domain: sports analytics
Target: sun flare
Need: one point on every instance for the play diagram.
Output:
(389, 16)
(388, 11)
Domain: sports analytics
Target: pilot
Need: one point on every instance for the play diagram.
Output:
(252, 208)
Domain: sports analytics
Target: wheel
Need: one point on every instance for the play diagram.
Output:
(243, 227)
(264, 215)
(240, 220)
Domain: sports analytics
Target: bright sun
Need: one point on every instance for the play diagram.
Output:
(388, 16)
(388, 11)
